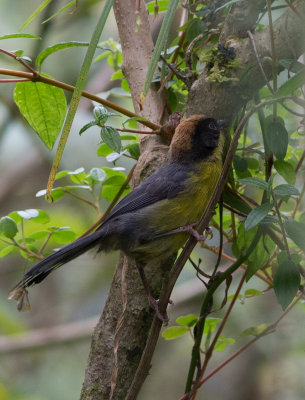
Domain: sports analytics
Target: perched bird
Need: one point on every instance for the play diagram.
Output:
(154, 220)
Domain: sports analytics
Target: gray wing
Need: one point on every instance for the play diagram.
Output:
(165, 183)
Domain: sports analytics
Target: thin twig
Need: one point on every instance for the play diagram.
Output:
(259, 61)
(270, 328)
(70, 88)
(209, 352)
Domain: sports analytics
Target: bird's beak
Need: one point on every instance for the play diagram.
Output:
(222, 123)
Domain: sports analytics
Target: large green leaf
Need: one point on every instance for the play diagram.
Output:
(257, 215)
(256, 182)
(8, 227)
(291, 85)
(19, 36)
(111, 137)
(277, 138)
(286, 282)
(296, 232)
(44, 107)
(285, 190)
(286, 170)
(174, 332)
(56, 47)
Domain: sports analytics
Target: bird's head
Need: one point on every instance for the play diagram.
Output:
(196, 138)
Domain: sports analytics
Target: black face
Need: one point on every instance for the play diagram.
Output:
(205, 138)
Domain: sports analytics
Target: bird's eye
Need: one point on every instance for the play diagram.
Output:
(213, 126)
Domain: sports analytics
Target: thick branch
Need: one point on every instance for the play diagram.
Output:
(224, 100)
(120, 335)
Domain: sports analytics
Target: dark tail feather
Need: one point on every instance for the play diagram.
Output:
(41, 270)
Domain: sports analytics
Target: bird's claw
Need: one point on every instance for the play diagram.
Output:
(154, 303)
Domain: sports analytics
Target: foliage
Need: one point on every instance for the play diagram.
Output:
(264, 196)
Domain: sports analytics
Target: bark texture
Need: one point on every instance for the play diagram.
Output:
(120, 336)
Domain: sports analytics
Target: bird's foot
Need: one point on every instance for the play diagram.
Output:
(154, 303)
(201, 238)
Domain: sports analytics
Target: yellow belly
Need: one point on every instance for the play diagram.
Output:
(182, 210)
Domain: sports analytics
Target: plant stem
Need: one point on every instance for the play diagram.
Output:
(206, 304)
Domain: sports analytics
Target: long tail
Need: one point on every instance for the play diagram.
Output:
(41, 270)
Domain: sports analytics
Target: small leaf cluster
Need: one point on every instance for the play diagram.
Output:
(13, 228)
(111, 145)
(188, 322)
(98, 183)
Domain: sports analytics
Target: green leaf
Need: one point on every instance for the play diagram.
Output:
(6, 250)
(187, 320)
(29, 213)
(256, 215)
(42, 217)
(174, 332)
(234, 201)
(243, 240)
(254, 330)
(109, 192)
(286, 170)
(56, 193)
(163, 4)
(8, 227)
(41, 7)
(117, 75)
(256, 182)
(222, 342)
(210, 325)
(195, 28)
(240, 163)
(60, 11)
(132, 122)
(253, 292)
(104, 150)
(159, 46)
(277, 138)
(44, 107)
(296, 231)
(61, 174)
(285, 190)
(293, 65)
(63, 236)
(129, 137)
(87, 126)
(134, 150)
(259, 256)
(252, 163)
(97, 174)
(286, 282)
(115, 180)
(113, 157)
(39, 235)
(56, 47)
(38, 216)
(291, 84)
(19, 36)
(111, 137)
(77, 176)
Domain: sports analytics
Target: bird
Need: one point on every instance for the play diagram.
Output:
(154, 220)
